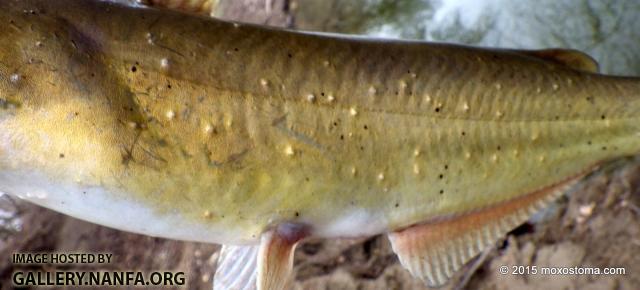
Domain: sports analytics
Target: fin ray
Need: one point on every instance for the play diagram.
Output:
(433, 251)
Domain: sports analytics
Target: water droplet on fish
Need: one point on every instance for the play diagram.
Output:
(288, 150)
(353, 111)
(170, 114)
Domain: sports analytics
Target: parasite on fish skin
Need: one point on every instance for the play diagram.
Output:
(184, 127)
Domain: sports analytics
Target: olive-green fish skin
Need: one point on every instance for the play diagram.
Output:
(242, 127)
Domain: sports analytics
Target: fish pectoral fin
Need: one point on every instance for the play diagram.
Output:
(237, 268)
(265, 267)
(572, 58)
(433, 251)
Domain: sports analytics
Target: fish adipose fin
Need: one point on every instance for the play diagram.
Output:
(572, 58)
(433, 251)
(264, 267)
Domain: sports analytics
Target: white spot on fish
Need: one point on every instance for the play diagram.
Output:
(206, 214)
(555, 87)
(330, 98)
(311, 98)
(538, 90)
(14, 78)
(164, 63)
(170, 114)
(427, 98)
(494, 158)
(353, 170)
(465, 106)
(498, 86)
(149, 38)
(353, 111)
(413, 75)
(264, 82)
(236, 25)
(467, 155)
(516, 153)
(326, 63)
(416, 152)
(499, 114)
(535, 136)
(402, 84)
(132, 125)
(208, 128)
(541, 158)
(416, 168)
(372, 90)
(288, 150)
(380, 176)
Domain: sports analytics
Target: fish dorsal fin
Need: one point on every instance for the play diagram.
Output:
(264, 267)
(569, 57)
(433, 251)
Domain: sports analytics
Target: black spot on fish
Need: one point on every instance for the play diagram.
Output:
(61, 155)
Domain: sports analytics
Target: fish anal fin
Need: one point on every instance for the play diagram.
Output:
(572, 58)
(434, 250)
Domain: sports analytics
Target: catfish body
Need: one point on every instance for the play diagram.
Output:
(197, 129)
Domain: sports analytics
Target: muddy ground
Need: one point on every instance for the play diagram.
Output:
(596, 225)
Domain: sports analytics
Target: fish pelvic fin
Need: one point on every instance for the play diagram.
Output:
(433, 251)
(267, 266)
